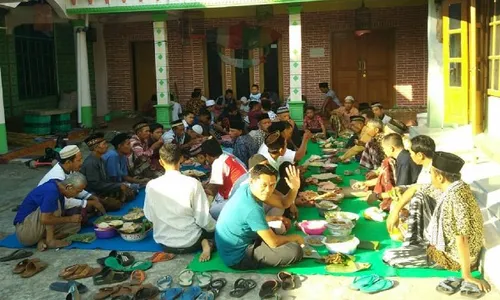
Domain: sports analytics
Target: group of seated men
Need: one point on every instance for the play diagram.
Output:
(258, 185)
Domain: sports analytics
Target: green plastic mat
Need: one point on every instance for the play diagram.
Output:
(365, 230)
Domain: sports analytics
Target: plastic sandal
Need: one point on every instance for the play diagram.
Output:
(147, 292)
(204, 279)
(287, 280)
(164, 283)
(33, 268)
(171, 293)
(73, 293)
(186, 277)
(63, 287)
(470, 290)
(206, 296)
(449, 286)
(161, 256)
(105, 292)
(217, 285)
(21, 266)
(269, 289)
(108, 276)
(83, 271)
(242, 287)
(191, 293)
(137, 277)
(18, 254)
(114, 263)
(379, 286)
(364, 281)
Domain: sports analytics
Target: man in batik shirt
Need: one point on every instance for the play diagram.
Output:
(454, 237)
(140, 161)
(244, 146)
(373, 155)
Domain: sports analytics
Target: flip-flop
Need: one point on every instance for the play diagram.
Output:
(242, 287)
(217, 285)
(470, 290)
(115, 264)
(63, 287)
(287, 280)
(147, 292)
(164, 283)
(379, 286)
(68, 271)
(18, 254)
(204, 279)
(449, 286)
(108, 276)
(21, 266)
(269, 289)
(125, 290)
(101, 260)
(105, 292)
(364, 281)
(171, 293)
(125, 259)
(186, 277)
(73, 293)
(161, 256)
(191, 293)
(84, 271)
(137, 277)
(208, 295)
(33, 268)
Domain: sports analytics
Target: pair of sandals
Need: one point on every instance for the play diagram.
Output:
(371, 284)
(124, 258)
(285, 280)
(78, 271)
(18, 254)
(128, 291)
(29, 267)
(109, 276)
(452, 285)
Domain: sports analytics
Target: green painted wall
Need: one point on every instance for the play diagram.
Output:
(66, 71)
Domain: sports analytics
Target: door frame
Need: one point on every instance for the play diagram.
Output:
(392, 101)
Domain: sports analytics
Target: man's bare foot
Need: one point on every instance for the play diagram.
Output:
(206, 250)
(41, 246)
(54, 244)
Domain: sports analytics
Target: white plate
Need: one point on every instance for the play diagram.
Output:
(325, 176)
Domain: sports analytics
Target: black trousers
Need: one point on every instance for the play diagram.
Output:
(205, 235)
(260, 255)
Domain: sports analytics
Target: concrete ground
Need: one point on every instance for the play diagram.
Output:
(17, 180)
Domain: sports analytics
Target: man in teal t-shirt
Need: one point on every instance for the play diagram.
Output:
(242, 235)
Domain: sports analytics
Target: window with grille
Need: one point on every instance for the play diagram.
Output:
(36, 64)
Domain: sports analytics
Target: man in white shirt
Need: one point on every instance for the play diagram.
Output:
(179, 208)
(71, 161)
(275, 148)
(378, 111)
(176, 111)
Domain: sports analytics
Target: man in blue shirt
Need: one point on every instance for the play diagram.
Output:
(242, 235)
(40, 219)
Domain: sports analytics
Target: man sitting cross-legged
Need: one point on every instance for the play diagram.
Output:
(40, 219)
(242, 234)
(71, 161)
(178, 208)
(454, 237)
(226, 169)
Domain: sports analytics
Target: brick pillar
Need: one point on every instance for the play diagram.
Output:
(296, 105)
(164, 107)
(82, 70)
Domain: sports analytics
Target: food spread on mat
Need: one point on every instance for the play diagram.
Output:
(134, 214)
(325, 176)
(314, 240)
(193, 173)
(312, 180)
(326, 205)
(336, 259)
(374, 214)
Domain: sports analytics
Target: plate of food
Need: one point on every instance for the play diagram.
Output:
(325, 176)
(310, 252)
(329, 151)
(314, 240)
(308, 195)
(316, 163)
(134, 215)
(327, 186)
(193, 173)
(311, 180)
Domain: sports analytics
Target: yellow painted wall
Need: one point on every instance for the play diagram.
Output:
(330, 5)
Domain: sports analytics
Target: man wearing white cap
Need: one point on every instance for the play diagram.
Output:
(210, 104)
(244, 109)
(345, 112)
(71, 161)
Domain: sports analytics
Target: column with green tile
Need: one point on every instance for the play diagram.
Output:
(295, 47)
(84, 100)
(164, 107)
(3, 129)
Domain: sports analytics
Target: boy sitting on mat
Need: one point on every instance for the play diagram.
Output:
(178, 208)
(40, 219)
(242, 235)
(455, 236)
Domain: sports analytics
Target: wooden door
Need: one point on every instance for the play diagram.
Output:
(363, 67)
(455, 62)
(144, 74)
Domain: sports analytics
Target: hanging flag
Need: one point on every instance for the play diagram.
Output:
(243, 36)
(240, 62)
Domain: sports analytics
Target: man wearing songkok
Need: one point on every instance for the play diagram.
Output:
(244, 146)
(98, 182)
(259, 134)
(181, 219)
(455, 236)
(345, 112)
(226, 169)
(71, 161)
(378, 111)
(40, 219)
(142, 153)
